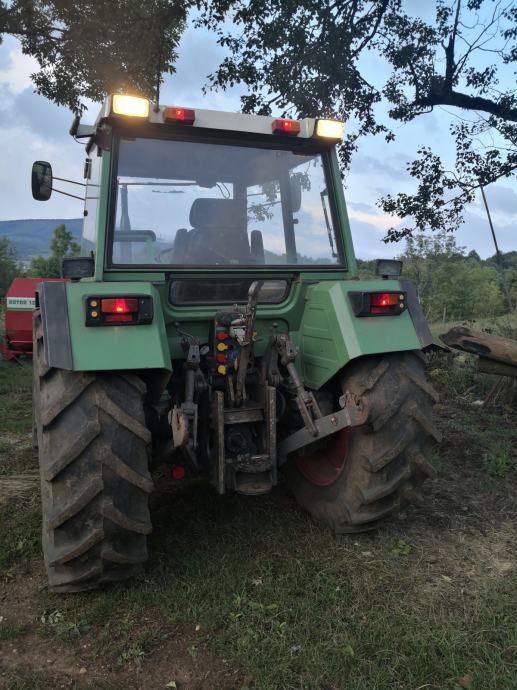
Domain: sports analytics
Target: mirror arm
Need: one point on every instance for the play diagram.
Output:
(63, 179)
(74, 196)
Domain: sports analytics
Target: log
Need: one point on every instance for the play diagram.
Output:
(488, 366)
(485, 345)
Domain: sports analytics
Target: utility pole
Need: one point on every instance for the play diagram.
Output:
(498, 256)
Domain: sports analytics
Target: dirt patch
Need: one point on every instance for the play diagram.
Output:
(171, 666)
(81, 663)
(463, 561)
(17, 441)
(17, 485)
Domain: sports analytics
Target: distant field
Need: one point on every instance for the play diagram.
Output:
(249, 594)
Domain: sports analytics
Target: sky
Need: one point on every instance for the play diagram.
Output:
(32, 128)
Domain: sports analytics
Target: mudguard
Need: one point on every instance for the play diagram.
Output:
(70, 344)
(331, 335)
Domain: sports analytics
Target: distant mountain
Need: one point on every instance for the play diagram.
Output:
(31, 237)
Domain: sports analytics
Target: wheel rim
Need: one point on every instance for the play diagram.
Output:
(323, 466)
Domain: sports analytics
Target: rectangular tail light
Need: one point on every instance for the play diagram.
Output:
(121, 310)
(181, 116)
(290, 127)
(384, 303)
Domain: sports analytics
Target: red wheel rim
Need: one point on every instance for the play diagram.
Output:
(324, 465)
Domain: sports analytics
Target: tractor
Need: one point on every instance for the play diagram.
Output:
(215, 322)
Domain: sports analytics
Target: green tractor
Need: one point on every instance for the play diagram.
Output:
(216, 322)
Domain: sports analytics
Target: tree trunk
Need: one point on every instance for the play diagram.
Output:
(488, 347)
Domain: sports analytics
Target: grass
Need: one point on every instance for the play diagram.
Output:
(15, 397)
(505, 325)
(488, 434)
(298, 608)
(255, 585)
(11, 632)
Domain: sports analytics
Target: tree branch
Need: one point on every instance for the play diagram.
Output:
(449, 50)
(441, 96)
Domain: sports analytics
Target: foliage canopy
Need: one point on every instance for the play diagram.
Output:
(310, 56)
(89, 48)
(61, 246)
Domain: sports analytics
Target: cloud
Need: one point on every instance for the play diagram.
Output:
(20, 147)
(368, 242)
(199, 56)
(368, 214)
(15, 76)
(393, 167)
(501, 200)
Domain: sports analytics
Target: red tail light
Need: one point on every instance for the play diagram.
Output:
(383, 299)
(378, 303)
(178, 473)
(120, 305)
(286, 127)
(121, 311)
(180, 115)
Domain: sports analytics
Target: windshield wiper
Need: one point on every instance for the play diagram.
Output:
(323, 194)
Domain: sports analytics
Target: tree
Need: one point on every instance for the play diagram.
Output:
(9, 269)
(306, 57)
(61, 246)
(89, 48)
(449, 283)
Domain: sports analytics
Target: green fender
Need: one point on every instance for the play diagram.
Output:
(115, 347)
(331, 335)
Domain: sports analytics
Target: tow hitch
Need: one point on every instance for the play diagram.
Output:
(354, 412)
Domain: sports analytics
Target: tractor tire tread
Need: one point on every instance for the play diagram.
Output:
(95, 480)
(388, 457)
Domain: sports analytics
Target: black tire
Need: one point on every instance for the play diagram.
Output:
(387, 458)
(95, 482)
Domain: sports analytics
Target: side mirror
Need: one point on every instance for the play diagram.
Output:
(41, 180)
(296, 192)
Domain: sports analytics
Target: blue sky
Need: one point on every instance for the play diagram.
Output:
(33, 128)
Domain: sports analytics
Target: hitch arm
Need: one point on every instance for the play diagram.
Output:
(354, 412)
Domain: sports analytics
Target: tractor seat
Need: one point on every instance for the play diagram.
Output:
(218, 233)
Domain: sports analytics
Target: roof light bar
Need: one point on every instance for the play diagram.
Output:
(291, 127)
(133, 106)
(330, 129)
(182, 116)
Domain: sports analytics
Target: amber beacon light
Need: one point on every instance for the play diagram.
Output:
(132, 106)
(330, 129)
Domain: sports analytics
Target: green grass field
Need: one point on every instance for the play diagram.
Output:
(242, 593)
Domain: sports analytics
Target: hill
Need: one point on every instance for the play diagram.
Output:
(31, 237)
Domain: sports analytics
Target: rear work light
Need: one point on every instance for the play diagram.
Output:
(133, 106)
(133, 310)
(182, 116)
(330, 129)
(291, 127)
(378, 303)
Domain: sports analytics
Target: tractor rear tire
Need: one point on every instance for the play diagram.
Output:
(95, 483)
(383, 463)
